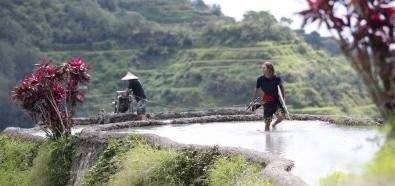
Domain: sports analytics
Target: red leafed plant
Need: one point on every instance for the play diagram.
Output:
(51, 93)
(365, 32)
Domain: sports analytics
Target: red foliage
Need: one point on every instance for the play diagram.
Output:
(51, 93)
(363, 18)
(365, 30)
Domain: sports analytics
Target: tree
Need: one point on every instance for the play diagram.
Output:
(314, 39)
(216, 10)
(286, 21)
(198, 4)
(365, 32)
(51, 94)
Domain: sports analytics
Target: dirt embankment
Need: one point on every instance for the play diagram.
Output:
(217, 115)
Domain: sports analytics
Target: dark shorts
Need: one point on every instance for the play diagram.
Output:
(141, 104)
(270, 109)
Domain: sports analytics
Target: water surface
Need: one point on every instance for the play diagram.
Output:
(317, 148)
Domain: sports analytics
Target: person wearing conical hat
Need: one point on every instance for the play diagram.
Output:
(138, 92)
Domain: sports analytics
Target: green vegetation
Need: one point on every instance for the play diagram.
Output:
(223, 76)
(380, 171)
(383, 164)
(131, 161)
(16, 159)
(327, 43)
(23, 163)
(126, 161)
(196, 58)
(142, 166)
(235, 170)
(337, 178)
(331, 110)
(189, 167)
(109, 161)
(52, 165)
(364, 110)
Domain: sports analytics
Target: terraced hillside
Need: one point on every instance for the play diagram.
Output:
(188, 55)
(221, 76)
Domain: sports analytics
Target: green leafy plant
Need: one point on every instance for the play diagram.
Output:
(16, 159)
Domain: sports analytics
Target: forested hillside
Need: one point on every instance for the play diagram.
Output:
(187, 54)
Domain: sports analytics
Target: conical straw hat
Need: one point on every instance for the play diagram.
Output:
(129, 76)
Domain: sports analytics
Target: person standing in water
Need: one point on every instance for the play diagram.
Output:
(267, 86)
(135, 87)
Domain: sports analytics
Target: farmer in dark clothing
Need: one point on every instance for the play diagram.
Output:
(267, 86)
(137, 90)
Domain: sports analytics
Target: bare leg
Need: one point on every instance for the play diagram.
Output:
(280, 118)
(141, 104)
(267, 123)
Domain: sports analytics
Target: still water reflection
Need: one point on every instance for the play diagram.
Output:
(318, 148)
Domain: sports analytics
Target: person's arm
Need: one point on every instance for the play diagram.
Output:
(282, 90)
(253, 95)
(257, 86)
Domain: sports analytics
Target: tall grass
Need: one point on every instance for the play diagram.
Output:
(16, 159)
(52, 165)
(140, 167)
(235, 170)
(110, 159)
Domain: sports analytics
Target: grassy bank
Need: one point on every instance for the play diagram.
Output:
(126, 161)
(131, 161)
(24, 163)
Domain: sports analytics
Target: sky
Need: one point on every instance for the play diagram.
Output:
(279, 8)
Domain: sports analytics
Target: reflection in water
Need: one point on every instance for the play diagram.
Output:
(317, 148)
(274, 144)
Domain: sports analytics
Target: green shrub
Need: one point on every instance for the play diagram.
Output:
(131, 161)
(52, 165)
(189, 167)
(16, 159)
(109, 161)
(142, 166)
(235, 170)
(384, 162)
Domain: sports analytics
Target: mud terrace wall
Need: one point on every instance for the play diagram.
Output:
(219, 115)
(94, 138)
